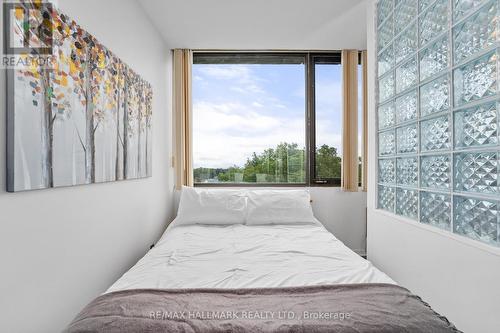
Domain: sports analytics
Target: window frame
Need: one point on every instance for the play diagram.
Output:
(310, 58)
(314, 59)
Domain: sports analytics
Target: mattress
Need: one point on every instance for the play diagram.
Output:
(241, 256)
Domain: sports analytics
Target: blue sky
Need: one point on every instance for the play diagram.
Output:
(241, 109)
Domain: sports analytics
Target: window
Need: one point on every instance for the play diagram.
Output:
(360, 121)
(267, 118)
(326, 161)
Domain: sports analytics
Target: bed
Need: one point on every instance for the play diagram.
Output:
(293, 276)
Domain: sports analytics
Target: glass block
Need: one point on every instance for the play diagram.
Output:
(386, 115)
(407, 139)
(406, 43)
(386, 87)
(385, 60)
(476, 172)
(476, 126)
(435, 209)
(384, 8)
(435, 96)
(386, 198)
(405, 13)
(435, 171)
(435, 134)
(433, 21)
(406, 107)
(387, 171)
(462, 7)
(407, 203)
(385, 33)
(423, 4)
(407, 171)
(476, 219)
(476, 33)
(406, 75)
(434, 58)
(476, 79)
(386, 143)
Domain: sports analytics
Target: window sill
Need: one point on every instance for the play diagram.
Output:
(337, 188)
(264, 185)
(250, 185)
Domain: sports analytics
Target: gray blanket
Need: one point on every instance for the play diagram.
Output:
(338, 308)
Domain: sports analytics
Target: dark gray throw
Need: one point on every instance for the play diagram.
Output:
(337, 308)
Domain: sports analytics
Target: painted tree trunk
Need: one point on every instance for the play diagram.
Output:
(89, 128)
(125, 130)
(147, 145)
(92, 149)
(89, 163)
(117, 160)
(139, 138)
(47, 130)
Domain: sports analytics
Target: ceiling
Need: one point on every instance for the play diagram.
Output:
(260, 24)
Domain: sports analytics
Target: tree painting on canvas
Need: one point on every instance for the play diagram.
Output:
(82, 116)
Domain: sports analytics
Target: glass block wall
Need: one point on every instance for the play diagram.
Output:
(438, 111)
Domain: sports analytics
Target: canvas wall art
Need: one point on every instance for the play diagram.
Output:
(83, 116)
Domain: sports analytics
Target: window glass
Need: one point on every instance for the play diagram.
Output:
(249, 120)
(360, 122)
(328, 112)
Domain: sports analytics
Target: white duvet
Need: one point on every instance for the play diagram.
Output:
(240, 256)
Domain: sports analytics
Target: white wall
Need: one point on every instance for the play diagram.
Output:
(458, 277)
(343, 214)
(60, 248)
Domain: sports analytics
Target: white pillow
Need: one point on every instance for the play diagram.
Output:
(209, 206)
(279, 207)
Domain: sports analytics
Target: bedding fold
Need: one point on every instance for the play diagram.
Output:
(359, 308)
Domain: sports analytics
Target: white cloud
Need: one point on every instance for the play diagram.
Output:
(225, 72)
(241, 77)
(244, 88)
(227, 134)
(213, 118)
